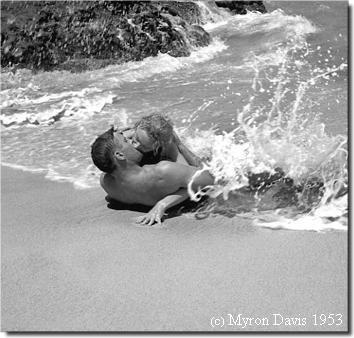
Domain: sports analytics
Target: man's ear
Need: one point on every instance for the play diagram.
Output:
(119, 156)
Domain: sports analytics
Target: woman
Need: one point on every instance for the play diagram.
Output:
(154, 136)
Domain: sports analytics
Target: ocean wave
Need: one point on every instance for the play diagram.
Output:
(276, 21)
(277, 129)
(161, 64)
(84, 178)
(327, 217)
(212, 14)
(81, 106)
(34, 104)
(275, 33)
(23, 167)
(312, 189)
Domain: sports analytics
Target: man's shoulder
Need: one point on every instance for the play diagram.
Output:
(168, 166)
(169, 170)
(106, 179)
(158, 168)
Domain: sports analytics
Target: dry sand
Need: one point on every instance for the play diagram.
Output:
(70, 263)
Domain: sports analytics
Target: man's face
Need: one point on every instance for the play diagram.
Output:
(124, 146)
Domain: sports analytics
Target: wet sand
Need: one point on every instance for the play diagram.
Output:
(70, 263)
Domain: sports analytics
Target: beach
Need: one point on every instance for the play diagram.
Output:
(69, 263)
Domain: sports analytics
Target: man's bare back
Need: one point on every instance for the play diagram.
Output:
(149, 184)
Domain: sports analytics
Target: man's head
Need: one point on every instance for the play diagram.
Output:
(111, 150)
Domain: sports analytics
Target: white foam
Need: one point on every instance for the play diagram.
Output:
(22, 98)
(78, 108)
(211, 14)
(331, 216)
(278, 135)
(164, 63)
(42, 108)
(23, 168)
(305, 223)
(255, 22)
(84, 179)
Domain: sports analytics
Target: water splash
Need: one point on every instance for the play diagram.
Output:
(279, 132)
(212, 15)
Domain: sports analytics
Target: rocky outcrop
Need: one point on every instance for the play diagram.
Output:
(82, 35)
(91, 34)
(188, 11)
(241, 7)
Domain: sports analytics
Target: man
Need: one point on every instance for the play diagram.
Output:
(161, 185)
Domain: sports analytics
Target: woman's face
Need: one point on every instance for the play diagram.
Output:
(140, 139)
(126, 147)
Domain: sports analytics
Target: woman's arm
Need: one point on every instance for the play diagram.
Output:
(189, 156)
(176, 151)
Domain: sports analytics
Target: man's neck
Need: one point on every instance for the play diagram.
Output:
(127, 168)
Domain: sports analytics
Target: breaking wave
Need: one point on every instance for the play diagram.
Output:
(280, 153)
(27, 98)
(285, 140)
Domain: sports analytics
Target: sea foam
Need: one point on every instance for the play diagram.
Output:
(33, 104)
(283, 133)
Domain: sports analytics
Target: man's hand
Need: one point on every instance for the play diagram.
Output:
(154, 215)
(158, 211)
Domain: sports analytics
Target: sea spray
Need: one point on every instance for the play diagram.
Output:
(286, 134)
(211, 14)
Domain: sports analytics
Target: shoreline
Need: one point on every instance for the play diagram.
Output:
(70, 263)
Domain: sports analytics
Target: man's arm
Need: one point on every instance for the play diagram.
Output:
(171, 179)
(158, 211)
(173, 176)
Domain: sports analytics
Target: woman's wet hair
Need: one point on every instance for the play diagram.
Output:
(102, 151)
(158, 127)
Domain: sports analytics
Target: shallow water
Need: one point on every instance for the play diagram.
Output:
(287, 66)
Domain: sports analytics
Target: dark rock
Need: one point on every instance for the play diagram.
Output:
(188, 11)
(91, 34)
(198, 36)
(265, 179)
(241, 7)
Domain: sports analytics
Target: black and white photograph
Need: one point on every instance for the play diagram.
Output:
(175, 166)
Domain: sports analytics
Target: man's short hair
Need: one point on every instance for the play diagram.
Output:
(102, 151)
(159, 127)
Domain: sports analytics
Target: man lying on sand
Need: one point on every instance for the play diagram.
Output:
(160, 185)
(154, 136)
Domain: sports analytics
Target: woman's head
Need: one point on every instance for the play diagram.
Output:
(152, 132)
